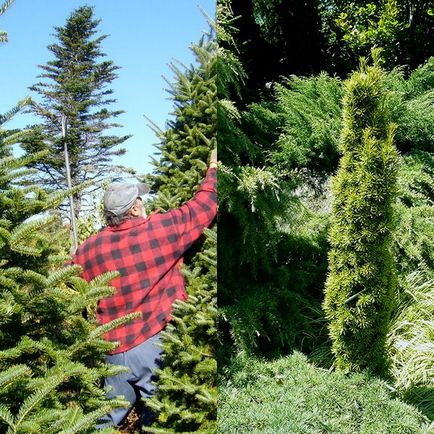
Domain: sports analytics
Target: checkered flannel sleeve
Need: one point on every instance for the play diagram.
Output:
(196, 214)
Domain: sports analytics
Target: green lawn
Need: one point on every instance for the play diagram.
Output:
(290, 395)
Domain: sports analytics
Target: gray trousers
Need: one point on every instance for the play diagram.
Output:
(142, 361)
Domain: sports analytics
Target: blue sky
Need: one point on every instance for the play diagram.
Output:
(144, 36)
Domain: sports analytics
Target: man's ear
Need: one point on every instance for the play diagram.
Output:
(135, 210)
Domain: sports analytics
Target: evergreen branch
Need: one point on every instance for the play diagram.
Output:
(25, 160)
(22, 233)
(67, 418)
(89, 419)
(5, 223)
(206, 397)
(230, 109)
(37, 279)
(6, 415)
(13, 272)
(100, 330)
(30, 346)
(10, 163)
(18, 174)
(5, 6)
(7, 282)
(48, 418)
(62, 275)
(109, 370)
(104, 279)
(56, 198)
(11, 176)
(40, 417)
(90, 296)
(31, 402)
(5, 235)
(8, 306)
(16, 137)
(12, 353)
(153, 126)
(13, 111)
(12, 373)
(211, 21)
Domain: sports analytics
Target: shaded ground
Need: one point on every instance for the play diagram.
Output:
(131, 424)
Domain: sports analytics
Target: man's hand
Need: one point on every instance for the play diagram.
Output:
(213, 159)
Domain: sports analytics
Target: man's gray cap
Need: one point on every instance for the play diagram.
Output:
(120, 196)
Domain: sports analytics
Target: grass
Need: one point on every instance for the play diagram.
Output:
(292, 396)
(411, 342)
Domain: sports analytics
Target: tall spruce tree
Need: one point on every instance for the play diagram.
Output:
(76, 88)
(361, 285)
(186, 398)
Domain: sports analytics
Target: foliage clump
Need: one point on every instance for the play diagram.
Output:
(271, 248)
(292, 396)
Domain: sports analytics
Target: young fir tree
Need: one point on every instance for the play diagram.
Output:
(360, 288)
(76, 89)
(186, 397)
(51, 357)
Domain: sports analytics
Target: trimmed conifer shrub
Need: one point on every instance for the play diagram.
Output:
(360, 288)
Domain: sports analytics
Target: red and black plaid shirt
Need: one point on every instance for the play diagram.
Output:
(147, 252)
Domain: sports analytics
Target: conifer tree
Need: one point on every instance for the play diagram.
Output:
(361, 285)
(76, 88)
(186, 397)
(257, 206)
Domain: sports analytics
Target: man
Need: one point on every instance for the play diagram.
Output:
(147, 252)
